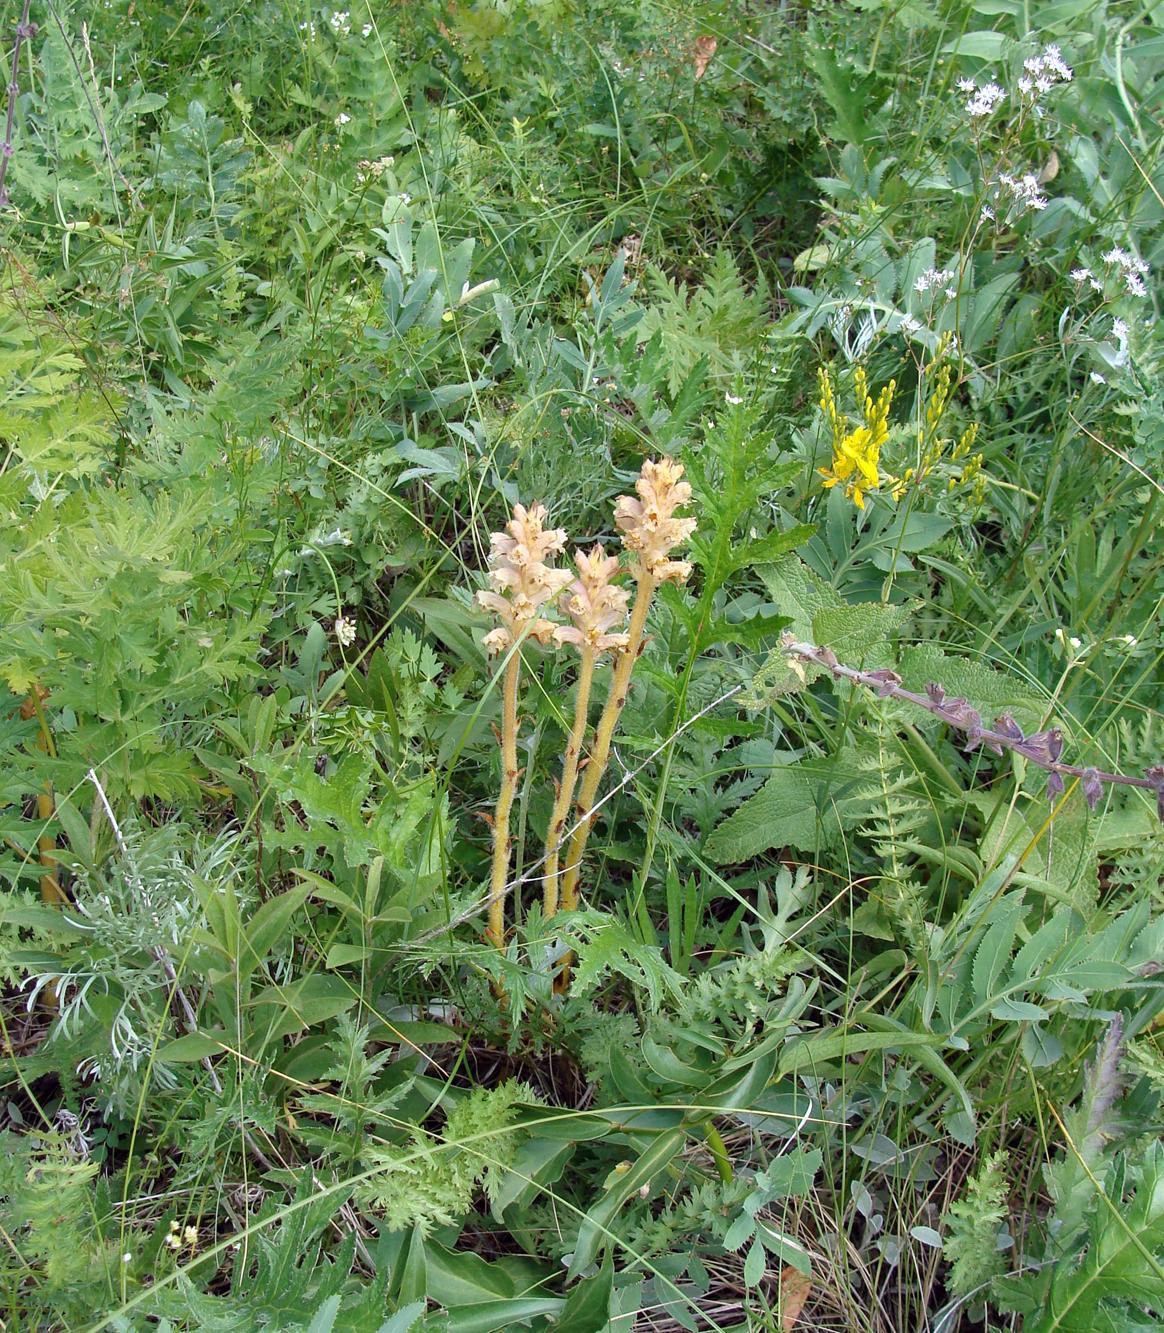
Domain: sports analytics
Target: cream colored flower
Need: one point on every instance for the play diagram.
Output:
(594, 604)
(649, 526)
(520, 580)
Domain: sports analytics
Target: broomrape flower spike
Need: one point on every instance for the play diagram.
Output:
(520, 580)
(651, 530)
(521, 583)
(595, 607)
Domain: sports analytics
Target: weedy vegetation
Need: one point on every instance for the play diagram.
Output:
(580, 667)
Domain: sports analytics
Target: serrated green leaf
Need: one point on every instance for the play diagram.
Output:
(1122, 1272)
(797, 807)
(994, 949)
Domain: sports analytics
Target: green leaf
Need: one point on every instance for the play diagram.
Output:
(824, 1048)
(1121, 1274)
(340, 955)
(587, 1308)
(192, 1047)
(982, 45)
(265, 928)
(847, 92)
(796, 807)
(770, 547)
(852, 632)
(595, 1229)
(993, 952)
(754, 1265)
(990, 691)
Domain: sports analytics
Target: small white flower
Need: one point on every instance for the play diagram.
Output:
(967, 86)
(732, 399)
(343, 119)
(366, 30)
(932, 277)
(1132, 269)
(908, 325)
(1023, 190)
(125, 1258)
(1080, 274)
(1075, 643)
(1131, 640)
(345, 631)
(1096, 378)
(984, 100)
(950, 293)
(987, 214)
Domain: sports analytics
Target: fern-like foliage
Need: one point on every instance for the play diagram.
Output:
(720, 321)
(431, 1181)
(972, 1228)
(897, 816)
(606, 949)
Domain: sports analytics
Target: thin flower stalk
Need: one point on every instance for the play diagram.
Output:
(25, 31)
(595, 607)
(509, 774)
(1042, 748)
(650, 532)
(521, 583)
(570, 762)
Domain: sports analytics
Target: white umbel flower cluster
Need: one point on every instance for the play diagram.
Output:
(1025, 191)
(1131, 268)
(981, 101)
(1042, 72)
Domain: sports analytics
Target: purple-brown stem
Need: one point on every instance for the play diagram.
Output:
(23, 29)
(1043, 748)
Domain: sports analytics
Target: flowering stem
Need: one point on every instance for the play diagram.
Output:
(569, 780)
(497, 887)
(24, 29)
(1042, 749)
(603, 735)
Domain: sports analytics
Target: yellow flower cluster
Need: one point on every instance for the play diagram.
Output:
(936, 451)
(856, 453)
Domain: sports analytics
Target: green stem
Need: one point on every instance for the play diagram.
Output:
(509, 772)
(719, 1153)
(569, 780)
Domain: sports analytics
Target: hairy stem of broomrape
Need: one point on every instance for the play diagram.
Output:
(569, 781)
(509, 773)
(603, 735)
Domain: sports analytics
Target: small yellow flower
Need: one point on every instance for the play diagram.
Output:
(856, 453)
